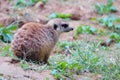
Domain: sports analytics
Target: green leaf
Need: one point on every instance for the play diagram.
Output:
(101, 32)
(109, 24)
(93, 30)
(59, 15)
(113, 9)
(63, 45)
(78, 31)
(77, 66)
(53, 15)
(93, 19)
(84, 29)
(110, 3)
(6, 48)
(24, 65)
(117, 26)
(56, 73)
(62, 65)
(6, 33)
(118, 20)
(114, 36)
(11, 27)
(7, 38)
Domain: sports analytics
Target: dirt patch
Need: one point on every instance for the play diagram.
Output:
(15, 72)
(5, 20)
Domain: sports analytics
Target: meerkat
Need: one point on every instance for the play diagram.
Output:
(35, 41)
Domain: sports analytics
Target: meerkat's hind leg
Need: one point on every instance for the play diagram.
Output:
(46, 59)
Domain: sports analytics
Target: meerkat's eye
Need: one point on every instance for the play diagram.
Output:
(55, 26)
(65, 25)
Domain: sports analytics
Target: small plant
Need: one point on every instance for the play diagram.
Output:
(6, 32)
(26, 3)
(111, 22)
(24, 65)
(67, 66)
(5, 51)
(64, 47)
(86, 29)
(44, 1)
(106, 21)
(60, 15)
(47, 79)
(115, 36)
(2, 78)
(105, 9)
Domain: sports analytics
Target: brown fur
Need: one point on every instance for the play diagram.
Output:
(34, 41)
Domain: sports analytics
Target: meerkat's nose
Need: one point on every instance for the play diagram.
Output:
(72, 29)
(68, 29)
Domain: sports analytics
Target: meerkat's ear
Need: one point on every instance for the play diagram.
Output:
(55, 26)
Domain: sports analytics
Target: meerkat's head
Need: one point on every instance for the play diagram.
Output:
(60, 25)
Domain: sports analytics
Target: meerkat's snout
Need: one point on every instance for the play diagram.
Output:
(68, 29)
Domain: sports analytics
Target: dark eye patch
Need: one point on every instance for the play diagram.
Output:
(55, 26)
(65, 25)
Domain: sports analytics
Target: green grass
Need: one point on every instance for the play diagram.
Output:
(115, 36)
(5, 50)
(87, 30)
(80, 60)
(80, 57)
